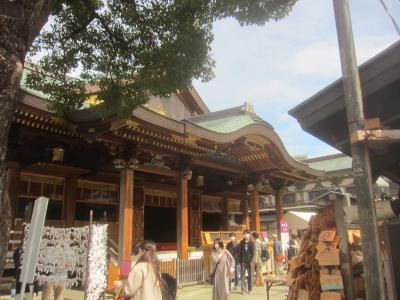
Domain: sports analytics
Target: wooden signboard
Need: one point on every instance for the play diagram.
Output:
(331, 281)
(207, 237)
(328, 257)
(327, 235)
(330, 296)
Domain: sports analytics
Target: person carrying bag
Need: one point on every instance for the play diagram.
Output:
(223, 270)
(144, 281)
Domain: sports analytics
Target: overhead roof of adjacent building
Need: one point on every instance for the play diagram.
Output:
(323, 115)
(330, 163)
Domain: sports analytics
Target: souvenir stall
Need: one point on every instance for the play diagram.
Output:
(330, 261)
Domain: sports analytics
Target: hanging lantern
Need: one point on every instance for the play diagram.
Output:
(200, 181)
(57, 155)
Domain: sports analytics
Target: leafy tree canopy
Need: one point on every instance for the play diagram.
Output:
(132, 49)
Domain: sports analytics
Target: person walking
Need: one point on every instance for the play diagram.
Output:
(232, 247)
(223, 268)
(144, 280)
(294, 247)
(246, 255)
(258, 260)
(278, 256)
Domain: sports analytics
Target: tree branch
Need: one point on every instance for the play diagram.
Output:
(80, 29)
(103, 23)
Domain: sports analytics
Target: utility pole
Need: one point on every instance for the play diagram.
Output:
(360, 153)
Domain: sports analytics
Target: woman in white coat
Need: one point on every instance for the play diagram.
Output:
(224, 266)
(144, 281)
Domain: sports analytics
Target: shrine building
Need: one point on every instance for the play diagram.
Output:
(167, 172)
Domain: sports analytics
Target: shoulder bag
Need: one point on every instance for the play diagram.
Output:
(211, 278)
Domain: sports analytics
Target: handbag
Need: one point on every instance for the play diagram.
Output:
(280, 257)
(211, 278)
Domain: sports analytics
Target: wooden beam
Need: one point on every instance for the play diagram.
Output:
(125, 236)
(69, 203)
(158, 171)
(12, 184)
(255, 211)
(345, 253)
(138, 215)
(245, 210)
(217, 166)
(182, 214)
(225, 214)
(376, 136)
(279, 211)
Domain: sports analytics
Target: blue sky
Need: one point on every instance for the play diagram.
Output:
(281, 64)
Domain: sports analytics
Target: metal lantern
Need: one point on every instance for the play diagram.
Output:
(200, 181)
(57, 155)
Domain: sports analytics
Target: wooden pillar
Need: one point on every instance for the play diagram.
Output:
(195, 220)
(245, 211)
(225, 214)
(69, 205)
(255, 211)
(345, 253)
(279, 211)
(138, 215)
(182, 214)
(125, 232)
(12, 184)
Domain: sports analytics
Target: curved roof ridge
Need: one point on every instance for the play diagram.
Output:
(228, 120)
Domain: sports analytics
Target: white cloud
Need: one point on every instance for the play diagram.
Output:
(282, 64)
(322, 58)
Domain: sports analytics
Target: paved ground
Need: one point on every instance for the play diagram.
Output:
(200, 292)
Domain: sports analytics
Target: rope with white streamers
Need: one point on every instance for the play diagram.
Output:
(63, 255)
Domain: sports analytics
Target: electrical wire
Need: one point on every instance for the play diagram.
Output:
(390, 16)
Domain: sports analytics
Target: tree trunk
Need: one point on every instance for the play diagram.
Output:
(20, 23)
(11, 67)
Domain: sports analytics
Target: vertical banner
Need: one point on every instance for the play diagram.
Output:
(285, 235)
(33, 242)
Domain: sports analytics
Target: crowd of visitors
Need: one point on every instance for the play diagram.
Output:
(242, 262)
(239, 263)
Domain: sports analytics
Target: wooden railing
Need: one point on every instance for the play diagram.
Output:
(168, 266)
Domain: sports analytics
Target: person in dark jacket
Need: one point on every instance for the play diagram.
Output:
(233, 247)
(246, 256)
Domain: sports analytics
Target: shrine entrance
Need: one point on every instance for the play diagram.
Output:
(160, 224)
(211, 216)
(211, 221)
(160, 218)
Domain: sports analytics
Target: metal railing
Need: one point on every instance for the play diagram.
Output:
(189, 271)
(186, 272)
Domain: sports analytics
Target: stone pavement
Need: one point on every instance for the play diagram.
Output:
(203, 292)
(199, 292)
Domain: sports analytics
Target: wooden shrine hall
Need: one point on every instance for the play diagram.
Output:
(169, 171)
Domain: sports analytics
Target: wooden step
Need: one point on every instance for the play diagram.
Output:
(14, 242)
(16, 232)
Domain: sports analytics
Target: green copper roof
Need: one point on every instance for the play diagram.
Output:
(330, 163)
(228, 120)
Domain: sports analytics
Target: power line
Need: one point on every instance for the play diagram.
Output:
(390, 16)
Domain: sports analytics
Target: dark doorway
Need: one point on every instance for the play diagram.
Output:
(211, 221)
(160, 224)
